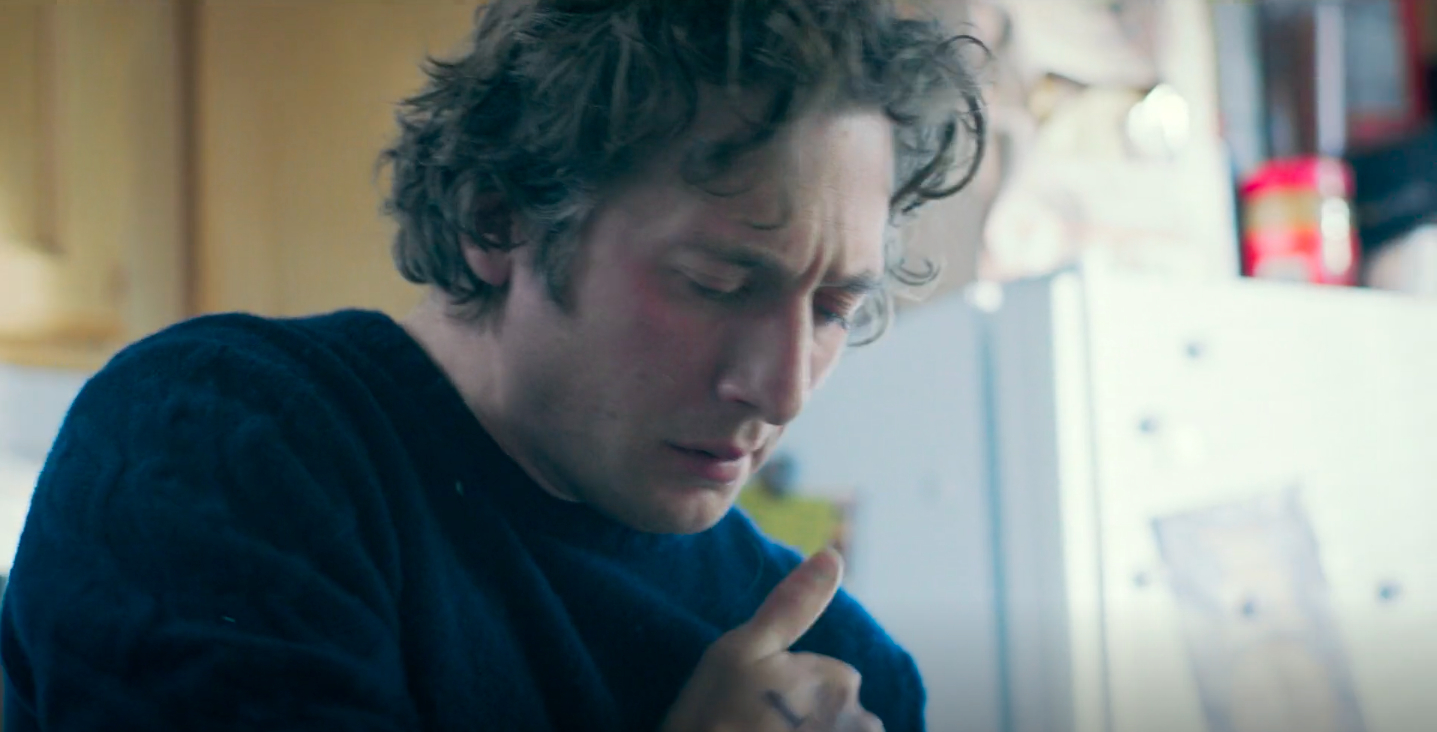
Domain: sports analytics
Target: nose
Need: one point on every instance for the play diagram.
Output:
(770, 369)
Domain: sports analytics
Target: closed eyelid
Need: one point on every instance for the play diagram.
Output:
(732, 256)
(730, 261)
(710, 270)
(717, 272)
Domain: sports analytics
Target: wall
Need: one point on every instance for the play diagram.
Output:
(33, 403)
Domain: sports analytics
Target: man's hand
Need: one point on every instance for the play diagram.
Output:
(747, 681)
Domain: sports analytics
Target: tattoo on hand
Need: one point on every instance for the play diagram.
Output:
(776, 701)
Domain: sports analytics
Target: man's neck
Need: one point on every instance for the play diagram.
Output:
(467, 355)
(460, 350)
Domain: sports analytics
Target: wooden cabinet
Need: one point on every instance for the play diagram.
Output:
(167, 158)
(294, 102)
(91, 141)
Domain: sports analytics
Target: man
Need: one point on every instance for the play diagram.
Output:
(650, 228)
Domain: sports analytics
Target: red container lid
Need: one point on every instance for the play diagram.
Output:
(1327, 176)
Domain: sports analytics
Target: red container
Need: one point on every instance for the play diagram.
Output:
(1297, 222)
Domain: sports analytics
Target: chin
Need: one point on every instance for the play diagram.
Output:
(688, 510)
(697, 524)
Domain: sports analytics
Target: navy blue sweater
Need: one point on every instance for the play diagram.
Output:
(297, 524)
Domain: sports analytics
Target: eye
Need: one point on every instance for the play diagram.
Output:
(837, 310)
(718, 291)
(718, 286)
(827, 316)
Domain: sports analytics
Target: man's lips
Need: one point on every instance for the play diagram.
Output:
(718, 462)
(717, 450)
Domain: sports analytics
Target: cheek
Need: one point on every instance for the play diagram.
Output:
(661, 337)
(762, 455)
(649, 318)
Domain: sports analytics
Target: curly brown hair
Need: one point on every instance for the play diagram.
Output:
(555, 101)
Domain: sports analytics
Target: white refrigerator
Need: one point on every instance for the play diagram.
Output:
(1111, 503)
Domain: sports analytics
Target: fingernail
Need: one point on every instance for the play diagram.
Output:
(827, 564)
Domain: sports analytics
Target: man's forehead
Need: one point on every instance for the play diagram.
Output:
(839, 270)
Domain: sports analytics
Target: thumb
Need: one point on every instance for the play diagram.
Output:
(790, 609)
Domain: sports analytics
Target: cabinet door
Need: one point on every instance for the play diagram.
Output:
(91, 217)
(294, 103)
(1210, 396)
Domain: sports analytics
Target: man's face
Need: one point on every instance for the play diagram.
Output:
(696, 328)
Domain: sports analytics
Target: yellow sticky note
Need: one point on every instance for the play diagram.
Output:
(806, 523)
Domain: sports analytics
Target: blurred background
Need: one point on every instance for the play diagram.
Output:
(1159, 452)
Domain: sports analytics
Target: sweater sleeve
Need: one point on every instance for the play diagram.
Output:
(911, 700)
(202, 553)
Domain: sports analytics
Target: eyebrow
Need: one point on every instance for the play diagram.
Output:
(742, 255)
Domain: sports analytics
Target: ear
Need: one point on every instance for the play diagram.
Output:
(492, 259)
(493, 264)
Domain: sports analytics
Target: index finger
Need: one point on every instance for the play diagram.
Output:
(793, 606)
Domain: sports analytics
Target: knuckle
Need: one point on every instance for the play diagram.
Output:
(866, 721)
(838, 699)
(831, 668)
(838, 694)
(843, 677)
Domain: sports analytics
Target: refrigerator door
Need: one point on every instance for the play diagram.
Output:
(1232, 515)
(1209, 396)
